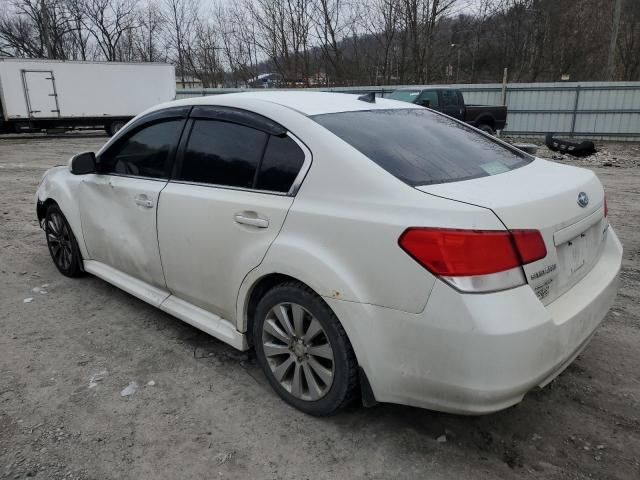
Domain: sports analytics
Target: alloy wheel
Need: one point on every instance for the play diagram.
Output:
(298, 351)
(59, 240)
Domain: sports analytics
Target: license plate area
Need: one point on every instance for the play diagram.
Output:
(577, 248)
(577, 255)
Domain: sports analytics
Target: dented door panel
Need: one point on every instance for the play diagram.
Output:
(119, 224)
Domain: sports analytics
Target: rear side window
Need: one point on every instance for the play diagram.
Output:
(222, 153)
(282, 161)
(145, 153)
(421, 147)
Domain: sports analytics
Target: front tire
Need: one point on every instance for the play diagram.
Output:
(61, 242)
(304, 351)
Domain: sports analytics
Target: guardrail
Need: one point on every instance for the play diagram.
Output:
(599, 110)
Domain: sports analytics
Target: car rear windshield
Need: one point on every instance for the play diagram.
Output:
(421, 147)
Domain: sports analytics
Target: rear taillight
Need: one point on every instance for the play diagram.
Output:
(474, 260)
(529, 244)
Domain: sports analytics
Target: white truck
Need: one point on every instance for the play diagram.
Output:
(38, 95)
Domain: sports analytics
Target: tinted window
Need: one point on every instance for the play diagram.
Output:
(449, 98)
(282, 161)
(421, 147)
(405, 95)
(146, 153)
(222, 153)
(429, 95)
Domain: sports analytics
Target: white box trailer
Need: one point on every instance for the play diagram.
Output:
(52, 94)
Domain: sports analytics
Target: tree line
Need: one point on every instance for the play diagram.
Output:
(337, 42)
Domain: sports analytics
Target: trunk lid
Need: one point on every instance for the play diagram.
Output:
(543, 195)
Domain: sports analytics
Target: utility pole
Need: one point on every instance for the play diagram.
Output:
(614, 40)
(45, 29)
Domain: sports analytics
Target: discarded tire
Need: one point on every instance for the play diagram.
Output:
(577, 149)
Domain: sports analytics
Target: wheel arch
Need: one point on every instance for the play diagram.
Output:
(293, 264)
(485, 119)
(261, 285)
(42, 206)
(59, 186)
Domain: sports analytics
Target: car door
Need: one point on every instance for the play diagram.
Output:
(234, 181)
(450, 104)
(118, 203)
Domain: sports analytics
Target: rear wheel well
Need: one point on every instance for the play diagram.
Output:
(486, 121)
(263, 285)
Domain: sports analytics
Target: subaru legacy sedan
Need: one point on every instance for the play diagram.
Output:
(365, 248)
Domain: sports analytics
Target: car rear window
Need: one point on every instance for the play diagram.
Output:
(421, 147)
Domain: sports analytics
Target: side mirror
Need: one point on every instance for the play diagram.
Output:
(425, 103)
(83, 163)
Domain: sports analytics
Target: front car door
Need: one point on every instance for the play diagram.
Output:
(233, 185)
(118, 204)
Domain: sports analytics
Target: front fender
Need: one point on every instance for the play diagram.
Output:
(61, 186)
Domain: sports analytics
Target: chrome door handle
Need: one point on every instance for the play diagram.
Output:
(253, 221)
(143, 201)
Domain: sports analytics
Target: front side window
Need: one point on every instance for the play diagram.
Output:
(145, 153)
(222, 153)
(422, 147)
(430, 96)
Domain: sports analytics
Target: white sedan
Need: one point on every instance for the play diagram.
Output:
(366, 248)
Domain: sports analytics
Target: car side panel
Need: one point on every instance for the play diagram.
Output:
(206, 253)
(341, 234)
(118, 230)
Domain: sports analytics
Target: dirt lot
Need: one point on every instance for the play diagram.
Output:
(66, 356)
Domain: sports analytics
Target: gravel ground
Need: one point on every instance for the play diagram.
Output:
(203, 410)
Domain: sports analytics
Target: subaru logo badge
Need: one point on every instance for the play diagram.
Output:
(583, 199)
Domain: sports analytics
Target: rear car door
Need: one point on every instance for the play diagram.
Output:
(118, 204)
(451, 103)
(234, 181)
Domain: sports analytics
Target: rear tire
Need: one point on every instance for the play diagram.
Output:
(304, 351)
(487, 128)
(61, 242)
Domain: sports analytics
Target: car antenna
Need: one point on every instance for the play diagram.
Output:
(368, 97)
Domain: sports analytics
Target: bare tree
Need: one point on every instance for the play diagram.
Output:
(332, 20)
(107, 21)
(150, 24)
(179, 19)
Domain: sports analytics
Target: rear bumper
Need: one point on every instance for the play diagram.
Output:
(478, 353)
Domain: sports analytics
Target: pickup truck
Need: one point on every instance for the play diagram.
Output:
(451, 102)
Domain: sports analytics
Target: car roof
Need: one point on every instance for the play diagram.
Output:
(305, 102)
